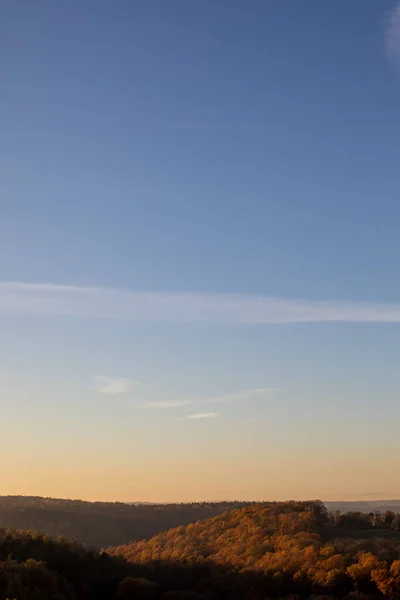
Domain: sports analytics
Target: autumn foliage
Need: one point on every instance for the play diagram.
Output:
(282, 549)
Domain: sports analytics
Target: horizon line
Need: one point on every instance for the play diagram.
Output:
(291, 499)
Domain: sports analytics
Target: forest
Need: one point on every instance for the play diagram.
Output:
(286, 550)
(101, 524)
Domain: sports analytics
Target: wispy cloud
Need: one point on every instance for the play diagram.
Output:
(113, 385)
(235, 396)
(207, 415)
(393, 34)
(169, 403)
(105, 303)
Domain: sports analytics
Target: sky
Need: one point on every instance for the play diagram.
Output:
(199, 242)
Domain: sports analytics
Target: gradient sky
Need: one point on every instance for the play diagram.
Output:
(199, 249)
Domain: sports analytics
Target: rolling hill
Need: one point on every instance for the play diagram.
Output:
(281, 549)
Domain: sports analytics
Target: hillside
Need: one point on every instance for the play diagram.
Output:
(241, 537)
(281, 549)
(101, 524)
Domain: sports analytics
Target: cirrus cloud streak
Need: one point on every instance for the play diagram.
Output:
(108, 303)
(113, 385)
(197, 416)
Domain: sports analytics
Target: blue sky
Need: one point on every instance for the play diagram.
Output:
(199, 217)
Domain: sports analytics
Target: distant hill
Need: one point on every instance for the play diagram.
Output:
(364, 506)
(102, 524)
